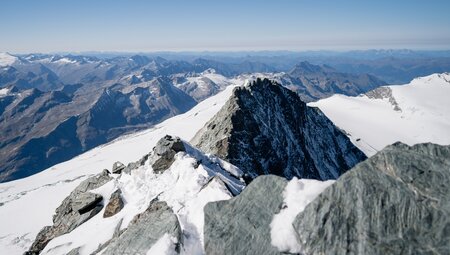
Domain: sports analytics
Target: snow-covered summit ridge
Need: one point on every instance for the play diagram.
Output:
(436, 78)
(193, 180)
(22, 198)
(412, 113)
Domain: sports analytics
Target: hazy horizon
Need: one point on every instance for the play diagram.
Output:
(175, 25)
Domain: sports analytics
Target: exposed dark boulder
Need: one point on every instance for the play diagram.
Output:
(114, 205)
(75, 209)
(117, 167)
(164, 153)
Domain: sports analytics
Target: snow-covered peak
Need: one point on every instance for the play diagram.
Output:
(413, 113)
(209, 71)
(65, 61)
(433, 79)
(7, 59)
(4, 92)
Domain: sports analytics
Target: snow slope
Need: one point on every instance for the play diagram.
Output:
(7, 59)
(28, 204)
(412, 113)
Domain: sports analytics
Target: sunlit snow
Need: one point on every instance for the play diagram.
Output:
(424, 114)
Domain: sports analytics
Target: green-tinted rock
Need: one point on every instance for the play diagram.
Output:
(241, 225)
(397, 202)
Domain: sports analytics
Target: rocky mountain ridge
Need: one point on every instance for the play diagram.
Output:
(265, 128)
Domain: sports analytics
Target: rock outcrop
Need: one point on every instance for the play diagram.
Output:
(75, 209)
(146, 229)
(164, 153)
(114, 205)
(85, 202)
(241, 225)
(396, 202)
(265, 128)
(117, 167)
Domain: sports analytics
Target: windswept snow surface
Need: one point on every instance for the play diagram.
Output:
(422, 114)
(27, 205)
(296, 196)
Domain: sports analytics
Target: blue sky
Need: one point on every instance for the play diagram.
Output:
(232, 25)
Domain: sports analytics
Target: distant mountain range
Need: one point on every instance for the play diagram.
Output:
(65, 105)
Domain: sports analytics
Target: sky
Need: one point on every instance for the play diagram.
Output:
(231, 25)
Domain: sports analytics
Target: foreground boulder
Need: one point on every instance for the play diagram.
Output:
(264, 128)
(75, 209)
(146, 229)
(114, 205)
(242, 225)
(396, 202)
(85, 202)
(164, 153)
(117, 167)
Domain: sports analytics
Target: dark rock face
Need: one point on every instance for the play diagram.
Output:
(117, 167)
(75, 209)
(265, 128)
(164, 153)
(145, 230)
(241, 225)
(396, 202)
(85, 202)
(114, 205)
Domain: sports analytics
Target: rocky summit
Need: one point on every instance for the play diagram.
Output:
(164, 152)
(265, 128)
